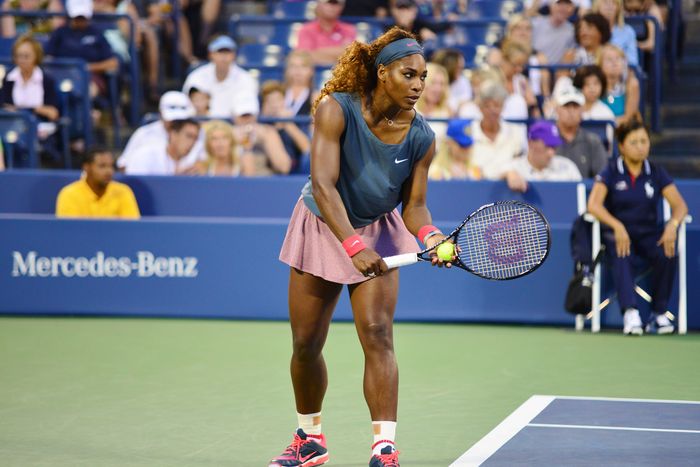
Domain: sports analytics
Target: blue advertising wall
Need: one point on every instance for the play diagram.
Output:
(218, 258)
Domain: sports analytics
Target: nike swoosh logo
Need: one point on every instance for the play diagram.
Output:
(411, 44)
(398, 161)
(354, 243)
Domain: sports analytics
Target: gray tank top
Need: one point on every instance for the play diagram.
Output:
(372, 173)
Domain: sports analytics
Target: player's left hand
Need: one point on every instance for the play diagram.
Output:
(668, 240)
(431, 242)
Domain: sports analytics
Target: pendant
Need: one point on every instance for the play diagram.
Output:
(389, 122)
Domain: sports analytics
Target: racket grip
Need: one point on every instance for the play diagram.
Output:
(400, 260)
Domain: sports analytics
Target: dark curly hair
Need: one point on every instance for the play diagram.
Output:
(355, 72)
(585, 71)
(634, 124)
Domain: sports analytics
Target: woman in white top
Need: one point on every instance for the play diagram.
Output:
(591, 81)
(515, 58)
(221, 150)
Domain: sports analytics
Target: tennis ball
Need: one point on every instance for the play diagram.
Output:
(446, 251)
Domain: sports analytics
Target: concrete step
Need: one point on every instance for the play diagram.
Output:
(680, 114)
(679, 166)
(677, 142)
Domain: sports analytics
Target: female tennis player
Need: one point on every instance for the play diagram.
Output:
(370, 151)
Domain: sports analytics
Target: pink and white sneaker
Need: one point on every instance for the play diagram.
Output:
(305, 451)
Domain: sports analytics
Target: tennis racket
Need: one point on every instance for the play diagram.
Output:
(498, 241)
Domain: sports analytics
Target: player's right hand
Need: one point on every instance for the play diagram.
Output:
(369, 263)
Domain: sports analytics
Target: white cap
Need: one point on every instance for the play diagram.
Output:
(246, 106)
(175, 105)
(569, 94)
(76, 8)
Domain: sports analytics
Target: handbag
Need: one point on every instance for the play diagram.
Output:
(579, 298)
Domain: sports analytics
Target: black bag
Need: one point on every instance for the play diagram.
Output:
(578, 298)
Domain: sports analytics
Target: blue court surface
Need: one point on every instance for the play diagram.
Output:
(578, 431)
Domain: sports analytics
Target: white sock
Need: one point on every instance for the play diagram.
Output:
(310, 423)
(384, 435)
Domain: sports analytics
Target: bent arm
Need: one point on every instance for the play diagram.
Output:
(596, 207)
(678, 207)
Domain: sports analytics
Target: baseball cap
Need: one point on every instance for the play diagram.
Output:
(175, 105)
(563, 1)
(460, 131)
(404, 3)
(221, 43)
(546, 131)
(76, 8)
(569, 94)
(246, 106)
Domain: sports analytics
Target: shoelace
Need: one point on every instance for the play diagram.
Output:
(389, 460)
(297, 443)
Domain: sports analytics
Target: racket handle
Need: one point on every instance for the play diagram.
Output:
(400, 260)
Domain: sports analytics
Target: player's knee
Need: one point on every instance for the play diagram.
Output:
(377, 336)
(307, 349)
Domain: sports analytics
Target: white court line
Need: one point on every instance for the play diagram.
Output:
(505, 430)
(601, 427)
(522, 416)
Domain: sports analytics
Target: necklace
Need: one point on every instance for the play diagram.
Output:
(390, 121)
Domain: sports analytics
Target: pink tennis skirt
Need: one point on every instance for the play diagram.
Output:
(310, 246)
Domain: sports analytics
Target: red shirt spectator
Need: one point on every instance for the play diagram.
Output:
(326, 36)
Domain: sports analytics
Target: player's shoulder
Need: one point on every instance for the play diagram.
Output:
(421, 127)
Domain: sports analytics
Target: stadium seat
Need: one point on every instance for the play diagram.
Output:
(295, 9)
(503, 9)
(256, 55)
(265, 73)
(476, 32)
(18, 132)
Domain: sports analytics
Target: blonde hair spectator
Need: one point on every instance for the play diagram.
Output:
(221, 150)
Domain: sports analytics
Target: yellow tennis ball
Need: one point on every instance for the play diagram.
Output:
(446, 251)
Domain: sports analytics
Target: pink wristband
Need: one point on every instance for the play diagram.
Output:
(353, 245)
(425, 230)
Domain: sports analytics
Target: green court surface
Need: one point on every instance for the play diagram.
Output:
(134, 392)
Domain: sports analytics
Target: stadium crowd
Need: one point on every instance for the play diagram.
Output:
(563, 60)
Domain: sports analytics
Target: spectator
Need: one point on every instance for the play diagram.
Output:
(173, 106)
(470, 110)
(173, 158)
(580, 146)
(496, 142)
(299, 82)
(221, 150)
(460, 87)
(200, 101)
(228, 85)
(553, 34)
(521, 102)
(96, 194)
(81, 39)
(626, 197)
(158, 17)
(296, 142)
(405, 15)
(592, 31)
(434, 102)
(453, 161)
(544, 7)
(13, 26)
(622, 35)
(646, 40)
(326, 37)
(261, 149)
(541, 163)
(590, 80)
(367, 8)
(28, 86)
(622, 93)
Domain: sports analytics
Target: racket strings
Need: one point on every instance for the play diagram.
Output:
(503, 241)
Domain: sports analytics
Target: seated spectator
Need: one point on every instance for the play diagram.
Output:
(434, 101)
(173, 158)
(326, 37)
(470, 110)
(645, 41)
(96, 194)
(590, 80)
(496, 142)
(623, 35)
(13, 26)
(622, 93)
(460, 87)
(81, 39)
(296, 142)
(544, 7)
(200, 100)
(453, 161)
(367, 8)
(582, 147)
(521, 102)
(519, 31)
(299, 82)
(626, 197)
(173, 106)
(28, 86)
(591, 32)
(221, 150)
(158, 16)
(404, 14)
(261, 149)
(541, 163)
(228, 85)
(553, 34)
